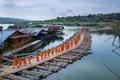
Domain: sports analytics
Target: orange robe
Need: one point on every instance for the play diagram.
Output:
(41, 55)
(45, 54)
(48, 52)
(15, 62)
(37, 57)
(24, 61)
(29, 59)
(20, 62)
(52, 51)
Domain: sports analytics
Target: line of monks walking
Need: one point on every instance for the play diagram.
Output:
(46, 53)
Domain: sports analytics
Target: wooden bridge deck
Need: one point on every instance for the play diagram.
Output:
(9, 60)
(60, 60)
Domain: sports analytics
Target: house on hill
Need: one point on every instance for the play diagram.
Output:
(11, 39)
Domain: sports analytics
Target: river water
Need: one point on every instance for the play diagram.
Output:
(54, 41)
(102, 64)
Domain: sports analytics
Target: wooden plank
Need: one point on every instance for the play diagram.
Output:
(9, 60)
(9, 77)
(13, 77)
(62, 60)
(72, 57)
(74, 54)
(4, 79)
(32, 73)
(46, 68)
(62, 65)
(66, 57)
(53, 64)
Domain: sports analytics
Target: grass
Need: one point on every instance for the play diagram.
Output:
(71, 23)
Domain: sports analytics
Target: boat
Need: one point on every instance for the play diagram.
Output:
(59, 33)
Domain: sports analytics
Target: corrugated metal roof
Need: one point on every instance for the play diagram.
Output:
(5, 34)
(19, 36)
(33, 31)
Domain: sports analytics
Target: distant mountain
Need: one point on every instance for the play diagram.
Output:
(7, 19)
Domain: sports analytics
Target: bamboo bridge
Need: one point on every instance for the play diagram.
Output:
(51, 60)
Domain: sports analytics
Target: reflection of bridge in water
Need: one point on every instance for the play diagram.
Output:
(116, 31)
(47, 62)
(116, 37)
(117, 46)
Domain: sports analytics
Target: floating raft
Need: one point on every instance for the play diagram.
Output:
(67, 57)
(53, 64)
(46, 68)
(34, 73)
(61, 61)
(13, 77)
(6, 59)
(62, 65)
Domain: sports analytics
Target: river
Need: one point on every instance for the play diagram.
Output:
(101, 64)
(54, 41)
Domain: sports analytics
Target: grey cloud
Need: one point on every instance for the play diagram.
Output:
(9, 4)
(44, 9)
(52, 9)
(69, 11)
(66, 13)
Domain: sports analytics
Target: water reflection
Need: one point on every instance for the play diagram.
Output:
(106, 32)
(115, 39)
(109, 32)
(49, 40)
(103, 64)
(116, 44)
(116, 30)
(113, 72)
(54, 41)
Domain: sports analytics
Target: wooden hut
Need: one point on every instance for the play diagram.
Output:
(12, 39)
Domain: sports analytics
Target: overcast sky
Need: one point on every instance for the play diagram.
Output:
(48, 9)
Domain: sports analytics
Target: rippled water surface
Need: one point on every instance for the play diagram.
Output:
(102, 64)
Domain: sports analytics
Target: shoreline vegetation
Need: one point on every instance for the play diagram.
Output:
(88, 20)
(96, 20)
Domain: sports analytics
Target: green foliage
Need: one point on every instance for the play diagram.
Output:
(92, 18)
(97, 19)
